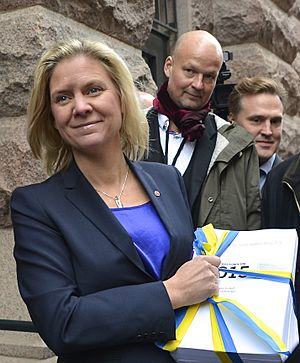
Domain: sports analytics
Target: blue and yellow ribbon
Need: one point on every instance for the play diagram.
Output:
(207, 243)
(254, 323)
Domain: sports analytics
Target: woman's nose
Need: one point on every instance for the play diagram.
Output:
(81, 105)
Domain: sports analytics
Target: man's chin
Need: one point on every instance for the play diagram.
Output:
(193, 106)
(264, 158)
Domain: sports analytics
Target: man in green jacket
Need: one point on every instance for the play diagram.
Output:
(217, 159)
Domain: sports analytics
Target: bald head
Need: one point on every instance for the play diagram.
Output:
(199, 38)
(193, 68)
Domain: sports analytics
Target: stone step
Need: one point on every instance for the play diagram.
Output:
(23, 347)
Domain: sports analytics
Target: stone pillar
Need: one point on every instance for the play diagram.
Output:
(264, 36)
(28, 27)
(184, 16)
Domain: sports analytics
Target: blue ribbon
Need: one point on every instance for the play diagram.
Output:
(263, 276)
(201, 239)
(227, 339)
(248, 321)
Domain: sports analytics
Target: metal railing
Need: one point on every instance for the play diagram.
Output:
(17, 325)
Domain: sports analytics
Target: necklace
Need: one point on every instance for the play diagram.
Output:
(117, 198)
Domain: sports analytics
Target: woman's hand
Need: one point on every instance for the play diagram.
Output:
(194, 281)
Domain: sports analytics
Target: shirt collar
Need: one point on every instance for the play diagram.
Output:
(267, 166)
(163, 122)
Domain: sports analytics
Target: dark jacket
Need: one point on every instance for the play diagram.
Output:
(227, 193)
(85, 286)
(281, 195)
(281, 203)
(295, 357)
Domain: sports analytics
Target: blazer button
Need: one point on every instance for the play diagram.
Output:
(210, 199)
(145, 335)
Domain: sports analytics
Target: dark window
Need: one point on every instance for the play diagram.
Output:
(161, 39)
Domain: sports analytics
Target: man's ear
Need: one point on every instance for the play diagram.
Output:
(230, 117)
(168, 66)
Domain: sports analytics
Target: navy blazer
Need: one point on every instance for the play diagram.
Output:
(85, 285)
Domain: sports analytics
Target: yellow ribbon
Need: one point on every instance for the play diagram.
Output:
(191, 312)
(213, 242)
(263, 326)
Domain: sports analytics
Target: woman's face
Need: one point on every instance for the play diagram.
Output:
(85, 104)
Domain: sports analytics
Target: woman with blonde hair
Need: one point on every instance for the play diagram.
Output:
(103, 246)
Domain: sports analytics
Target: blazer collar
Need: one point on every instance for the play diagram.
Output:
(160, 197)
(154, 192)
(83, 196)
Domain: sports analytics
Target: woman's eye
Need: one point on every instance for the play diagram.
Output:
(61, 99)
(94, 90)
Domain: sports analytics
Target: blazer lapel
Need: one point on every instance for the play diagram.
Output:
(154, 192)
(160, 197)
(84, 197)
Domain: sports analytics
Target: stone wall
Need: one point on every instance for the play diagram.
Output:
(264, 36)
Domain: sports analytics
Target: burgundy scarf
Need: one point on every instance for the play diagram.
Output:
(188, 122)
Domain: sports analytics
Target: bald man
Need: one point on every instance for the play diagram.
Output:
(217, 159)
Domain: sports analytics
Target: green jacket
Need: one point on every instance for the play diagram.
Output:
(230, 195)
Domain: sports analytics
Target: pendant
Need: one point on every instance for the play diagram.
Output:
(118, 202)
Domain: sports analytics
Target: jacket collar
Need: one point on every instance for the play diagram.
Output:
(232, 139)
(292, 177)
(293, 171)
(84, 197)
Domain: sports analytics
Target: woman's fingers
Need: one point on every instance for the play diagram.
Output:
(194, 281)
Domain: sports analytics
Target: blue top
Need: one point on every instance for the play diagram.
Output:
(148, 233)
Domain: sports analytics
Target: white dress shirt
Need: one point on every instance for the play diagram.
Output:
(175, 140)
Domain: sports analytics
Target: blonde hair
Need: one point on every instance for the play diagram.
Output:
(45, 141)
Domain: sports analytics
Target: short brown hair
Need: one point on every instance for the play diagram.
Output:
(249, 86)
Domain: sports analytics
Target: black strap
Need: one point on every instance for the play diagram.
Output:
(167, 148)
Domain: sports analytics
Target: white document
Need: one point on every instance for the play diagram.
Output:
(272, 302)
